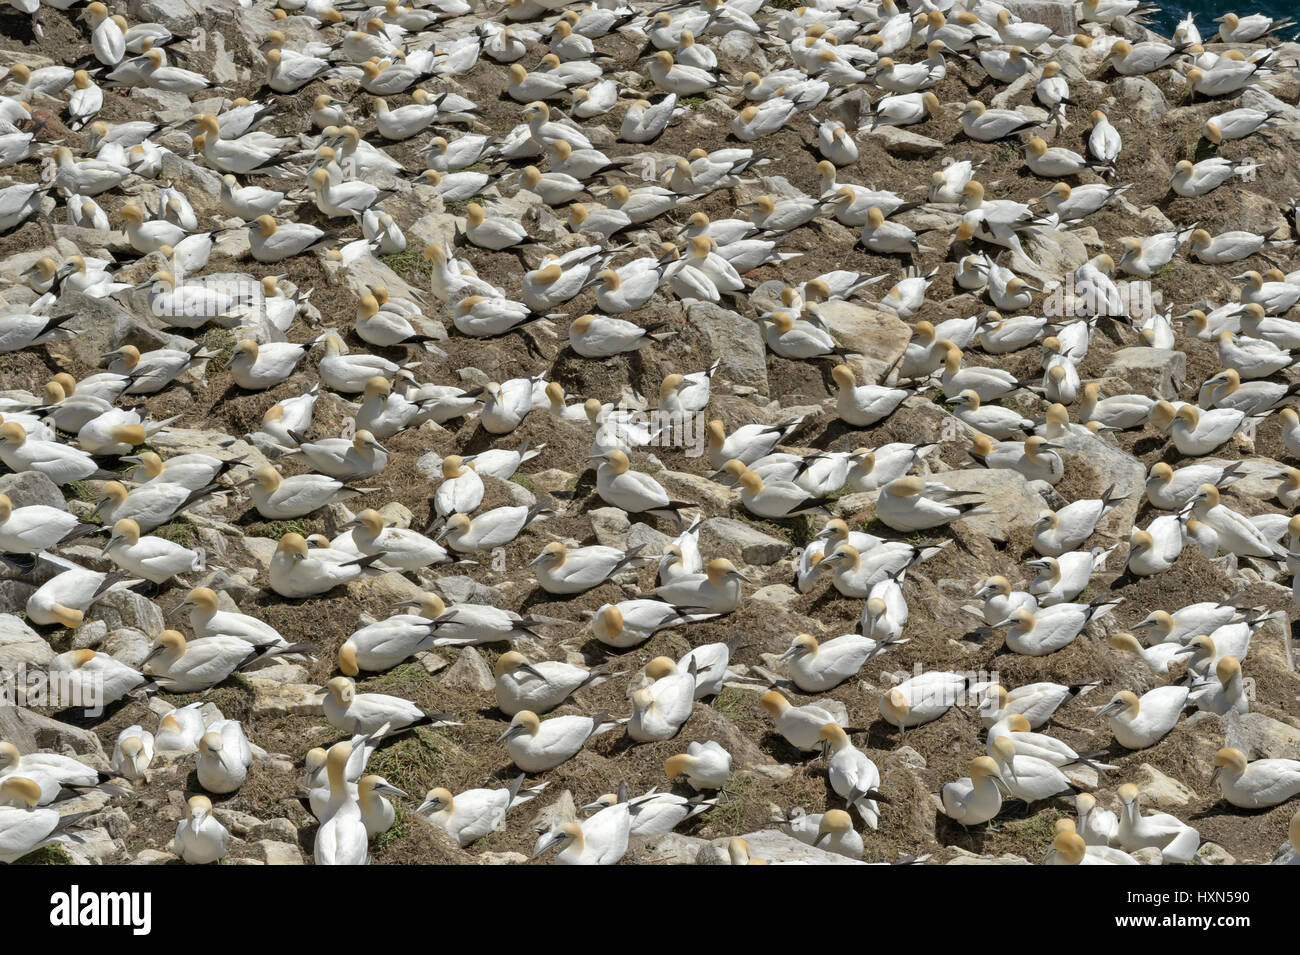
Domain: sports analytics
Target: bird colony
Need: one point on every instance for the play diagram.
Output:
(703, 432)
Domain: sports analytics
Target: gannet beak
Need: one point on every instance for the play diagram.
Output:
(545, 843)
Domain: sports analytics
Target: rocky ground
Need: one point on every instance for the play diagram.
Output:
(277, 704)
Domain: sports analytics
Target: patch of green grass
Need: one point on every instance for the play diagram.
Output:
(394, 832)
(410, 765)
(181, 531)
(735, 705)
(799, 530)
(221, 341)
(277, 529)
(454, 206)
(233, 697)
(694, 102)
(743, 794)
(1038, 829)
(523, 480)
(47, 855)
(874, 852)
(409, 263)
(404, 680)
(79, 491)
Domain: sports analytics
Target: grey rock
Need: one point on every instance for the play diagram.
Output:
(179, 16)
(670, 849)
(49, 734)
(1052, 255)
(1155, 371)
(1214, 854)
(730, 536)
(272, 852)
(15, 593)
(610, 525)
(736, 341)
(277, 830)
(779, 594)
(875, 338)
(278, 699)
(1057, 14)
(128, 645)
(126, 608)
(470, 672)
(1115, 467)
(20, 645)
(1163, 791)
(460, 590)
(31, 487)
(153, 857)
(651, 541)
(904, 142)
(775, 846)
(1140, 95)
(1011, 502)
(967, 858)
(501, 858)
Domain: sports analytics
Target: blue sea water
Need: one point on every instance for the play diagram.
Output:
(1164, 21)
